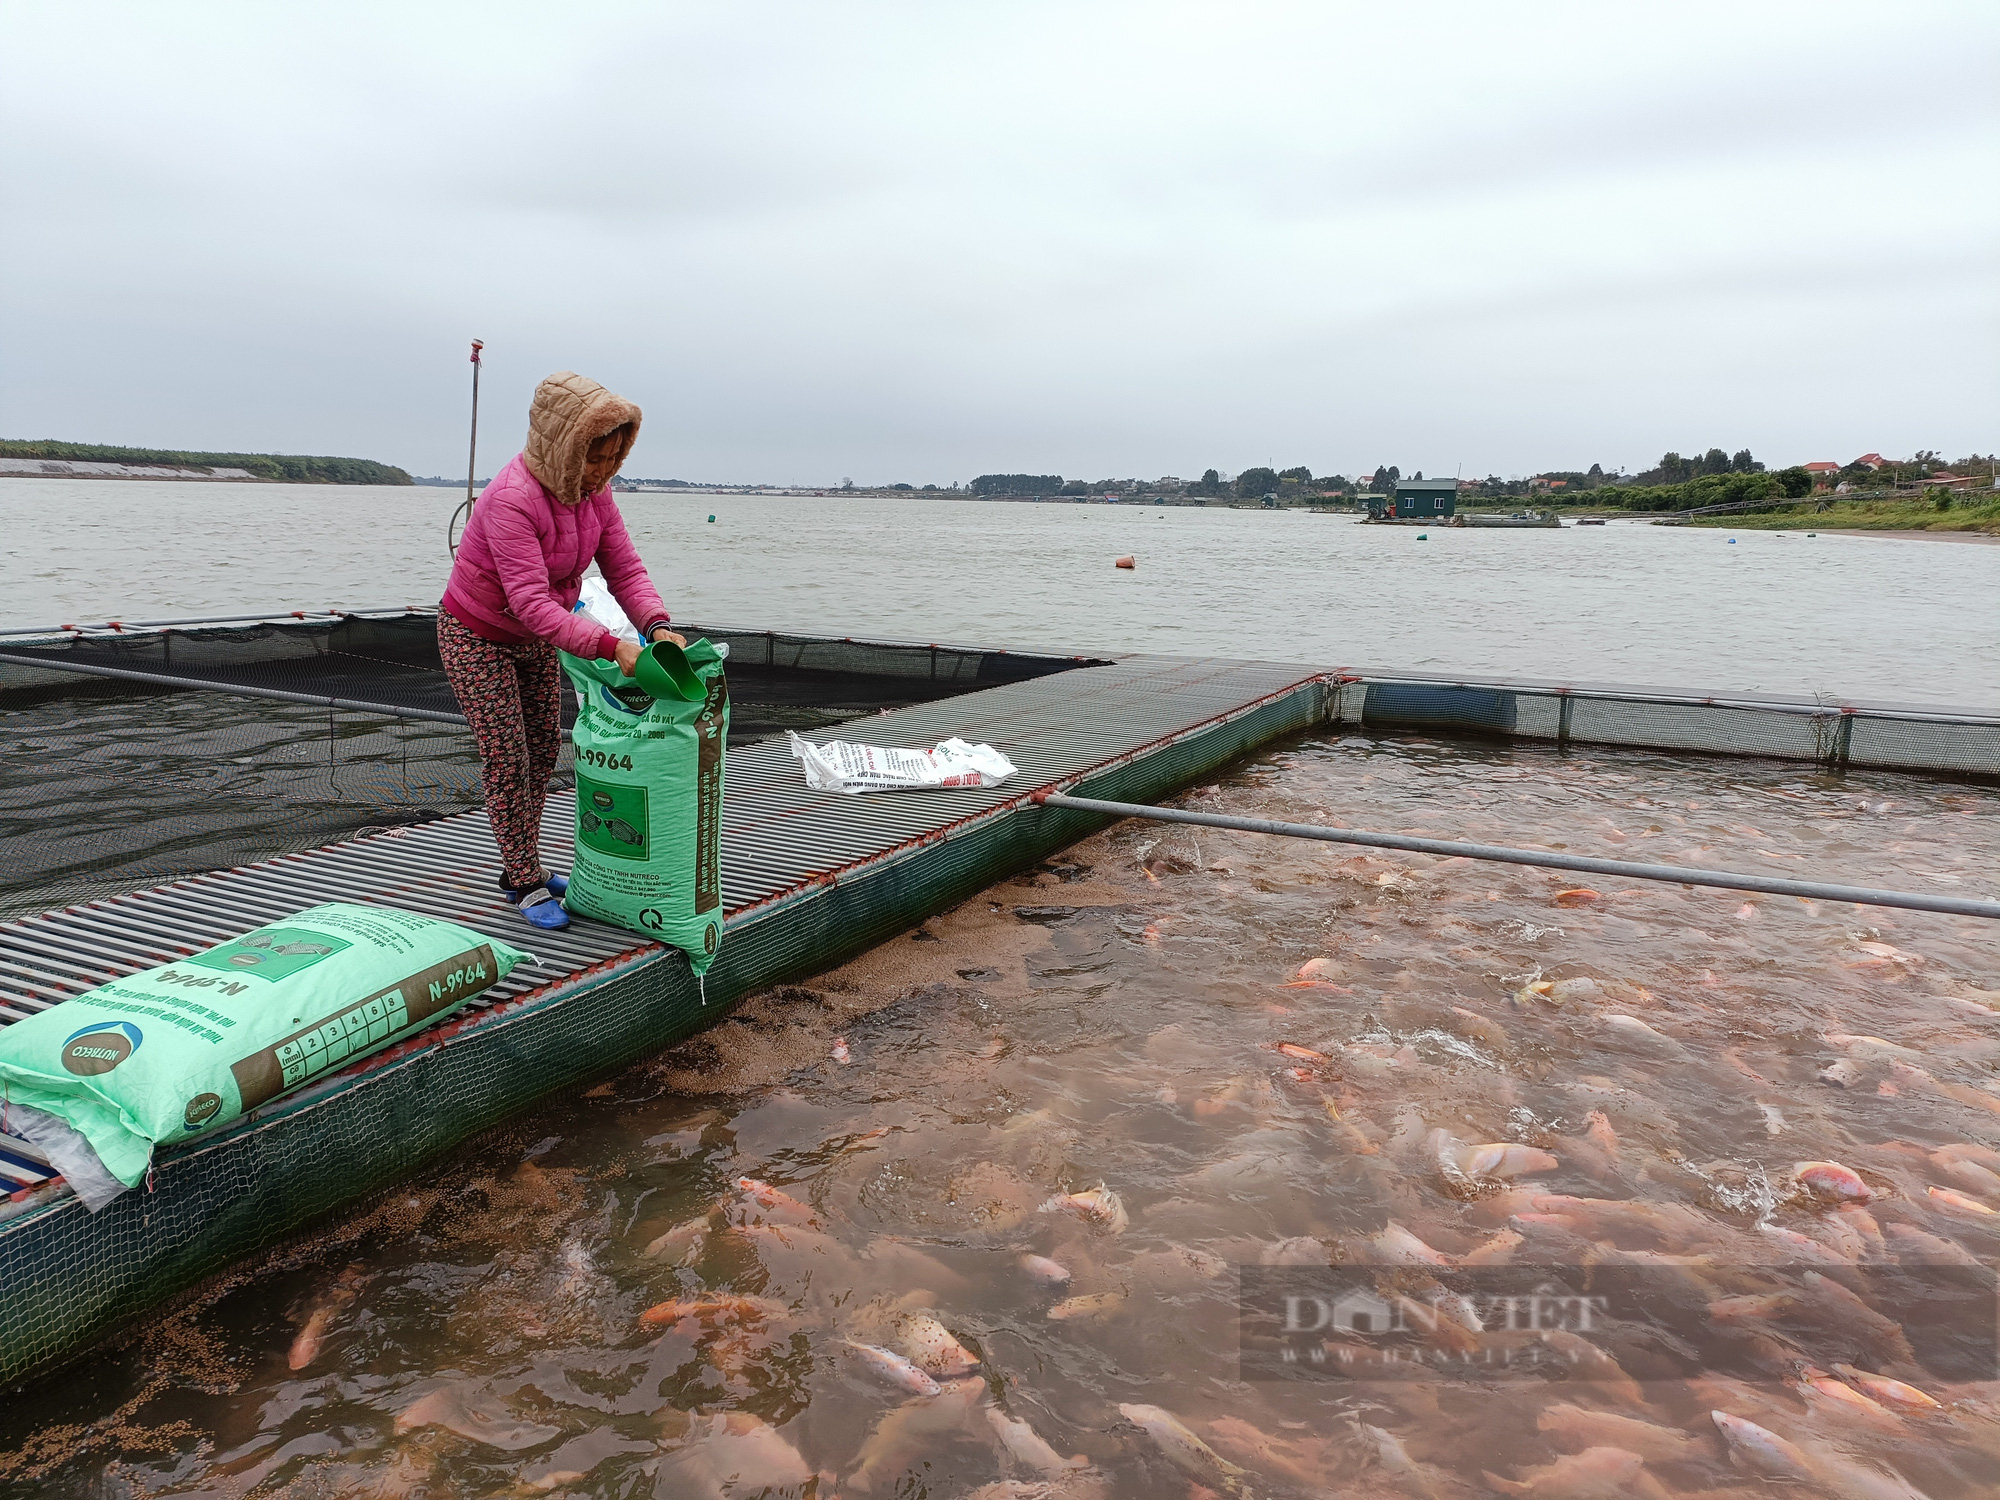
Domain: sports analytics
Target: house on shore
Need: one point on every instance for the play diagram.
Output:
(1416, 499)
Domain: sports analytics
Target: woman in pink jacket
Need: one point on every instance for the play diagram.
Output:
(542, 521)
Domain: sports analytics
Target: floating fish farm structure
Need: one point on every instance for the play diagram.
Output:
(358, 786)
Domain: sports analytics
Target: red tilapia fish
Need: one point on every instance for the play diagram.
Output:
(321, 1315)
(775, 1203)
(1830, 1182)
(1889, 1392)
(1098, 1205)
(933, 1347)
(1185, 1451)
(1043, 1271)
(889, 1366)
(714, 1309)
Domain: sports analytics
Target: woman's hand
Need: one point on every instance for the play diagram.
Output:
(627, 655)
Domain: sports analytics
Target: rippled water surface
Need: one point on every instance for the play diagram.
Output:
(658, 1289)
(1854, 616)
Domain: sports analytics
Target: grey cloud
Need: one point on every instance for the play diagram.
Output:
(913, 241)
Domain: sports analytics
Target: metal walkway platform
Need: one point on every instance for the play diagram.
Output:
(809, 879)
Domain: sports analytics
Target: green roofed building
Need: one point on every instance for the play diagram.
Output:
(1418, 499)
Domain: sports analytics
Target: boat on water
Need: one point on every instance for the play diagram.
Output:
(1520, 520)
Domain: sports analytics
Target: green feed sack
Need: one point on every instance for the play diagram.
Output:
(649, 800)
(181, 1048)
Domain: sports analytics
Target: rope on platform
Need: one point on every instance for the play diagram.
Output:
(1956, 906)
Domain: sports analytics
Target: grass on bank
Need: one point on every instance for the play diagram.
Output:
(1869, 515)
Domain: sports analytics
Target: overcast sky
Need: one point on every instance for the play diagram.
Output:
(923, 241)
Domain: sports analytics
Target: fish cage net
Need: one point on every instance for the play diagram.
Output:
(1832, 734)
(132, 756)
(127, 760)
(110, 788)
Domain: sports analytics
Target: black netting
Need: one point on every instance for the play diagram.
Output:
(111, 787)
(776, 681)
(389, 661)
(110, 783)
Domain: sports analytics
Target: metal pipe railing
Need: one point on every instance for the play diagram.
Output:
(1729, 880)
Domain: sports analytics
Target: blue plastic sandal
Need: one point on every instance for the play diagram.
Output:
(558, 887)
(540, 908)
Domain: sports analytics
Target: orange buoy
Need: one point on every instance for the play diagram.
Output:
(1124, 562)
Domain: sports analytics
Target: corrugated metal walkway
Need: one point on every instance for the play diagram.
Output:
(780, 838)
(809, 879)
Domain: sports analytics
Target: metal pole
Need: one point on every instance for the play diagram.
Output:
(1728, 880)
(472, 455)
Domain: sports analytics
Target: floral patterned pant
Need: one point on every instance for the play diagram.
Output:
(512, 698)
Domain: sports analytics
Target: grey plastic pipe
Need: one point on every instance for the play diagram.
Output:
(1956, 906)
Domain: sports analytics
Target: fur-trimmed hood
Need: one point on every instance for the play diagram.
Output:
(569, 414)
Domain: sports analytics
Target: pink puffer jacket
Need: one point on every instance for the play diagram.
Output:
(521, 563)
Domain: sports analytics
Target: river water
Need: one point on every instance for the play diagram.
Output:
(1415, 1071)
(1853, 616)
(1277, 1060)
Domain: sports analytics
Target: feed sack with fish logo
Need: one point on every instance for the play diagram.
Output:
(649, 753)
(183, 1047)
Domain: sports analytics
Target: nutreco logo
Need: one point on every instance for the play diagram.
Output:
(99, 1049)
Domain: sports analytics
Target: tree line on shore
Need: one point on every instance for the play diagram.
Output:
(1676, 482)
(1251, 484)
(1718, 478)
(287, 468)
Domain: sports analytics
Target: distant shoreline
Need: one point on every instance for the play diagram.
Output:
(53, 458)
(1963, 521)
(34, 468)
(13, 468)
